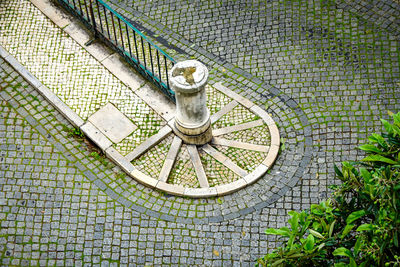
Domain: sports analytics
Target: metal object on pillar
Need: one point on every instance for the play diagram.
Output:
(192, 120)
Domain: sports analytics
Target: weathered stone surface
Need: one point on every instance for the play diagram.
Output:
(192, 118)
(112, 123)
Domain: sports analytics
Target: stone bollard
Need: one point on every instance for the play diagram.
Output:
(192, 119)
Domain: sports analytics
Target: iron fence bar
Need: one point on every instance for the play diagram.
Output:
(73, 1)
(120, 31)
(151, 59)
(105, 15)
(113, 24)
(137, 53)
(87, 11)
(144, 55)
(158, 64)
(166, 71)
(129, 41)
(92, 17)
(98, 14)
(80, 8)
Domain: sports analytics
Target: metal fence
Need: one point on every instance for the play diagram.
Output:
(116, 31)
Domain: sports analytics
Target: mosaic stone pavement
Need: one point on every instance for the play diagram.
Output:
(326, 70)
(340, 104)
(53, 213)
(85, 86)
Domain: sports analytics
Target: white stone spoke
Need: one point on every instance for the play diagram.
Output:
(198, 166)
(216, 116)
(169, 161)
(239, 127)
(224, 160)
(149, 143)
(238, 144)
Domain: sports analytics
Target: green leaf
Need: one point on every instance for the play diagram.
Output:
(396, 117)
(331, 227)
(338, 172)
(396, 130)
(377, 138)
(282, 232)
(365, 227)
(309, 243)
(354, 216)
(276, 263)
(352, 262)
(316, 234)
(380, 158)
(370, 148)
(341, 264)
(366, 175)
(388, 126)
(357, 246)
(342, 251)
(347, 230)
(297, 255)
(294, 220)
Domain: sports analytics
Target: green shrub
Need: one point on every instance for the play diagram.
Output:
(360, 224)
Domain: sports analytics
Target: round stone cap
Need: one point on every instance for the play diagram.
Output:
(188, 76)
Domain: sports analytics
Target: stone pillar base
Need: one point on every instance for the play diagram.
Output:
(194, 136)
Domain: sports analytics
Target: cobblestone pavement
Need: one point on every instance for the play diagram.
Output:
(332, 64)
(325, 74)
(51, 212)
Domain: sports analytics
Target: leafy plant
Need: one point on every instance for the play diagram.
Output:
(100, 157)
(360, 224)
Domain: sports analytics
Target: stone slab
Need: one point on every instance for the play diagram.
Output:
(58, 16)
(99, 51)
(149, 143)
(143, 178)
(244, 101)
(170, 159)
(61, 106)
(116, 65)
(238, 127)
(271, 156)
(166, 170)
(171, 189)
(96, 136)
(198, 166)
(3, 52)
(77, 32)
(157, 101)
(200, 192)
(225, 109)
(118, 159)
(112, 123)
(256, 174)
(237, 144)
(224, 160)
(231, 187)
(263, 114)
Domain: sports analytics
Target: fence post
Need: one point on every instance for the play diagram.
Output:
(93, 22)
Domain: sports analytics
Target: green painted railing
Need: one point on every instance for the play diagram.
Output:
(150, 60)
